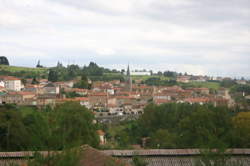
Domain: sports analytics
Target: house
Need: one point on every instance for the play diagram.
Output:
(140, 73)
(11, 83)
(51, 89)
(43, 81)
(219, 102)
(101, 135)
(183, 79)
(2, 88)
(31, 88)
(46, 99)
(20, 98)
(82, 92)
(198, 78)
(161, 96)
(241, 82)
(98, 98)
(162, 101)
(224, 93)
(143, 90)
(121, 100)
(198, 100)
(2, 84)
(66, 84)
(203, 91)
(84, 101)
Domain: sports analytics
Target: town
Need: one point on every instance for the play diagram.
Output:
(117, 97)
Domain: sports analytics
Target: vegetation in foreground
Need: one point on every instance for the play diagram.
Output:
(26, 128)
(70, 125)
(183, 126)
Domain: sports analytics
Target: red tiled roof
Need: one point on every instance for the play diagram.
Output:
(21, 93)
(98, 94)
(197, 100)
(78, 90)
(124, 97)
(100, 132)
(161, 101)
(9, 78)
(82, 98)
(73, 99)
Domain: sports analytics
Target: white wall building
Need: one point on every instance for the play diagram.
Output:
(2, 83)
(140, 73)
(12, 83)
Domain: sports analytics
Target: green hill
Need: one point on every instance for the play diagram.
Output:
(23, 71)
(19, 68)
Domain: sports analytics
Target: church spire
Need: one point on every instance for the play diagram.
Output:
(128, 71)
(129, 80)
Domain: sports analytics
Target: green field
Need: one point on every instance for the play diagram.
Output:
(23, 72)
(212, 85)
(143, 78)
(21, 69)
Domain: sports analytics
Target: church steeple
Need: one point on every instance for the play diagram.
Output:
(128, 71)
(129, 80)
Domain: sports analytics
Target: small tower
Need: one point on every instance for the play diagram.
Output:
(128, 80)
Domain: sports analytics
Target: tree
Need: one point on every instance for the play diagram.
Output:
(241, 124)
(137, 161)
(4, 60)
(53, 75)
(34, 81)
(163, 139)
(12, 131)
(206, 127)
(75, 125)
(83, 83)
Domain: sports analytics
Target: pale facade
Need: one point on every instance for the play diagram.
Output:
(13, 84)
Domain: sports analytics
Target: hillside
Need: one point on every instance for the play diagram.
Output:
(19, 68)
(22, 71)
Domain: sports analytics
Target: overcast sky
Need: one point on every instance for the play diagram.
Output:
(196, 36)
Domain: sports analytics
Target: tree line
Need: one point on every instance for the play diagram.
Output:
(29, 128)
(92, 71)
(187, 126)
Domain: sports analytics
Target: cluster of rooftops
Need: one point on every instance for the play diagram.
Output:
(112, 97)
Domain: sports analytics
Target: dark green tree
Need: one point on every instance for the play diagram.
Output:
(53, 75)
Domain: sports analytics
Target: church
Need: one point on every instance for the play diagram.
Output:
(128, 80)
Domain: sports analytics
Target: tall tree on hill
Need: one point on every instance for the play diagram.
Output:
(53, 75)
(4, 60)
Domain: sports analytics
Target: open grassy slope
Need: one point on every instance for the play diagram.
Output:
(23, 72)
(21, 69)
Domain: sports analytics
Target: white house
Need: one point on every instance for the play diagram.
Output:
(2, 83)
(11, 83)
(140, 73)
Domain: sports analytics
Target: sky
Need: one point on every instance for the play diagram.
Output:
(202, 37)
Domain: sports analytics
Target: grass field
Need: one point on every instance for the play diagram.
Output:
(14, 69)
(212, 85)
(143, 78)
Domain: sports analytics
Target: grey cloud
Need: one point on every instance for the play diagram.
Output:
(205, 36)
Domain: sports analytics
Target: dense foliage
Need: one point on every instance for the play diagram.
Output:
(241, 89)
(159, 82)
(93, 71)
(186, 126)
(66, 125)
